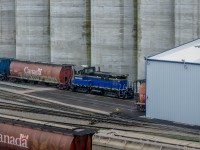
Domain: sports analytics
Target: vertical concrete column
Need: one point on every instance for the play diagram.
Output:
(156, 31)
(7, 28)
(70, 34)
(113, 36)
(32, 30)
(88, 31)
(187, 21)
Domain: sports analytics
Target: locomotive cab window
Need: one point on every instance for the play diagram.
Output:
(89, 70)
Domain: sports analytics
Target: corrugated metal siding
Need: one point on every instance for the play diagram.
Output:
(173, 92)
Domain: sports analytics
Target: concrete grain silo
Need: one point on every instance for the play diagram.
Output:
(70, 31)
(113, 46)
(7, 28)
(156, 31)
(32, 30)
(187, 21)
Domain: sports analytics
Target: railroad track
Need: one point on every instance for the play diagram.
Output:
(17, 102)
(61, 110)
(115, 135)
(93, 118)
(75, 114)
(10, 85)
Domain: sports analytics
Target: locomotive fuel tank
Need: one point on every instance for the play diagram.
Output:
(43, 72)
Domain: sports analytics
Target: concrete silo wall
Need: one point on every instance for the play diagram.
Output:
(69, 31)
(113, 44)
(7, 28)
(115, 35)
(32, 30)
(155, 29)
(187, 21)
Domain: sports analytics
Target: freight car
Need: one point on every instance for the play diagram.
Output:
(59, 75)
(140, 94)
(17, 135)
(86, 79)
(4, 68)
(106, 83)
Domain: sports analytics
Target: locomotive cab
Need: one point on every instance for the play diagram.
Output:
(84, 70)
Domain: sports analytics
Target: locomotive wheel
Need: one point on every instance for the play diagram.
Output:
(117, 94)
(105, 93)
(3, 77)
(125, 95)
(61, 87)
(35, 82)
(68, 87)
(14, 80)
(47, 84)
(102, 92)
(73, 89)
(25, 81)
(88, 91)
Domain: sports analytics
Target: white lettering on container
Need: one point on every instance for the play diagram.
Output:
(21, 141)
(33, 72)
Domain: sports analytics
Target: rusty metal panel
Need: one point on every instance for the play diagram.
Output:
(66, 74)
(21, 138)
(16, 137)
(49, 73)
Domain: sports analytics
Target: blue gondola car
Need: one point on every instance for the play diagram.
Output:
(109, 84)
(4, 67)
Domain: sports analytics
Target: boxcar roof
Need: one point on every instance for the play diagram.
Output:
(76, 131)
(189, 52)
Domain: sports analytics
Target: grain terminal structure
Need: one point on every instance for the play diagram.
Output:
(173, 84)
(112, 34)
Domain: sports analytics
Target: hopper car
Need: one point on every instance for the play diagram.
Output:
(18, 135)
(59, 75)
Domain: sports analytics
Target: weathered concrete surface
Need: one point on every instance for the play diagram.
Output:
(187, 21)
(113, 36)
(69, 31)
(122, 140)
(122, 32)
(156, 31)
(32, 30)
(7, 28)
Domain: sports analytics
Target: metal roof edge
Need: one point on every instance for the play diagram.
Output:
(188, 63)
(173, 48)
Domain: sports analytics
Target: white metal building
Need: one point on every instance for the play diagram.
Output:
(173, 84)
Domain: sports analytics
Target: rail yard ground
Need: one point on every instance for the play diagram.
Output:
(117, 119)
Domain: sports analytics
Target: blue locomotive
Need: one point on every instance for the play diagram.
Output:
(109, 84)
